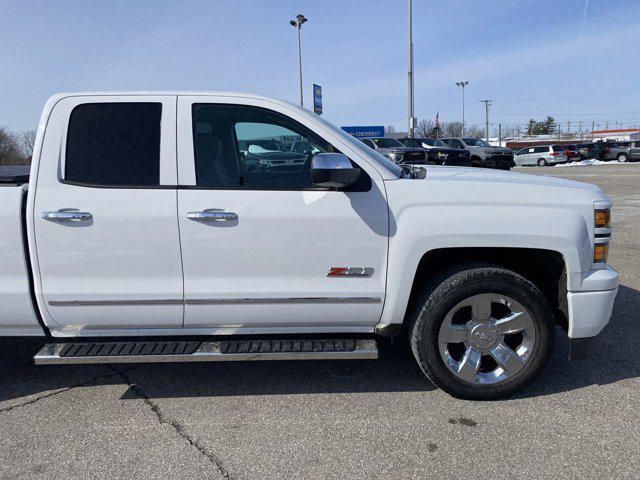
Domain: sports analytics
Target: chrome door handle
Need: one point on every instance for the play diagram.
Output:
(212, 215)
(67, 216)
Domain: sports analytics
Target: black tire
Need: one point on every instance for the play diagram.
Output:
(542, 162)
(449, 288)
(476, 162)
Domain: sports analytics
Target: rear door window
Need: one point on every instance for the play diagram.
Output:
(114, 144)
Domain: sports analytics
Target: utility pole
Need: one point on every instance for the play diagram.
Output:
(411, 117)
(559, 128)
(487, 106)
(606, 126)
(499, 134)
(462, 84)
(580, 130)
(297, 23)
(569, 127)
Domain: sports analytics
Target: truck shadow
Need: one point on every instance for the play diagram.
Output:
(612, 358)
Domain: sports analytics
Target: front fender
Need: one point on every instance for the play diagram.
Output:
(419, 229)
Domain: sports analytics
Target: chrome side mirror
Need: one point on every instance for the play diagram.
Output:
(332, 170)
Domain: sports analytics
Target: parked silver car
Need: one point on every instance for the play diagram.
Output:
(541, 155)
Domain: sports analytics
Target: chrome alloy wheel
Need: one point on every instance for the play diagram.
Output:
(487, 338)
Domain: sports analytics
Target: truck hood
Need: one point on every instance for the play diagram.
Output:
(497, 150)
(486, 175)
(399, 150)
(478, 186)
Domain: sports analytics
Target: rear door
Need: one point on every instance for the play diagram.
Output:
(104, 216)
(275, 254)
(634, 151)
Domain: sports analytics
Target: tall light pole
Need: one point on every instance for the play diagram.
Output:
(297, 23)
(411, 125)
(462, 84)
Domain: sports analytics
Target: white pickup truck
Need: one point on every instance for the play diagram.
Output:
(150, 230)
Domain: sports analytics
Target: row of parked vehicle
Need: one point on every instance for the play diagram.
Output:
(465, 152)
(542, 155)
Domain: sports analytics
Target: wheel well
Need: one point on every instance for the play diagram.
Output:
(544, 268)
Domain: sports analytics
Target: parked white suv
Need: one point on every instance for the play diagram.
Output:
(541, 155)
(152, 231)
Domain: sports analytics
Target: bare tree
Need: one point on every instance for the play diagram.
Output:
(390, 130)
(425, 128)
(452, 129)
(28, 142)
(10, 151)
(475, 131)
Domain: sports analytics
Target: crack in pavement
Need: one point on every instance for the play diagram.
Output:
(162, 419)
(59, 391)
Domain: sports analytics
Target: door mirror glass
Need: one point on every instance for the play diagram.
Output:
(332, 170)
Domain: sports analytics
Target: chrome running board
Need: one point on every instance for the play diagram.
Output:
(205, 351)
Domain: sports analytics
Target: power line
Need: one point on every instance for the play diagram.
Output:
(565, 114)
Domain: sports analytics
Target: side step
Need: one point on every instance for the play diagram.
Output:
(205, 351)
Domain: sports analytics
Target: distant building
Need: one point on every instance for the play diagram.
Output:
(616, 135)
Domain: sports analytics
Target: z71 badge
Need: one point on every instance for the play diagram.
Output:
(350, 272)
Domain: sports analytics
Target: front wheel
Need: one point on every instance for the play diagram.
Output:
(623, 157)
(481, 332)
(542, 162)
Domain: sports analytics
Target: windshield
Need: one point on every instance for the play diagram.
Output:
(387, 143)
(411, 142)
(434, 142)
(475, 142)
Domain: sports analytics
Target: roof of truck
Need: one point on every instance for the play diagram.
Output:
(126, 93)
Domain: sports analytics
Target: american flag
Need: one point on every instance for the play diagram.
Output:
(437, 119)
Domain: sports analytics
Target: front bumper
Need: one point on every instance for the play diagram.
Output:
(590, 308)
(501, 161)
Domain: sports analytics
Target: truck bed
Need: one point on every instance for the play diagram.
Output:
(17, 314)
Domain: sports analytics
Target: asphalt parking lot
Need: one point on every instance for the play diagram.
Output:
(369, 419)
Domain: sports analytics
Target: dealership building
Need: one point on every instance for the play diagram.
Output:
(617, 135)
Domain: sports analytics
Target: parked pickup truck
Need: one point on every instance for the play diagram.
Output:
(483, 154)
(624, 151)
(396, 151)
(147, 234)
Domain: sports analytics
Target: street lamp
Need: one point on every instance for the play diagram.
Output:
(297, 23)
(411, 118)
(462, 84)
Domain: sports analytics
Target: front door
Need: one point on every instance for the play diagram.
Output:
(261, 250)
(104, 216)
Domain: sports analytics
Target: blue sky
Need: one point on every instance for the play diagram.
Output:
(574, 59)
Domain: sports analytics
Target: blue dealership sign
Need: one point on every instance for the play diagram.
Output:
(317, 99)
(365, 132)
